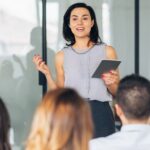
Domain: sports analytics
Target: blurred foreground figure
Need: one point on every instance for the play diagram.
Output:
(133, 108)
(4, 127)
(62, 122)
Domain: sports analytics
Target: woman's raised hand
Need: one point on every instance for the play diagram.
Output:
(40, 65)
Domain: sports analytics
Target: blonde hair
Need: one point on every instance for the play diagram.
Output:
(62, 122)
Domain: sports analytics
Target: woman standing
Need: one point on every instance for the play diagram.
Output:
(76, 63)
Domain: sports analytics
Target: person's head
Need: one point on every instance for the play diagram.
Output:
(133, 98)
(4, 127)
(62, 121)
(35, 38)
(80, 20)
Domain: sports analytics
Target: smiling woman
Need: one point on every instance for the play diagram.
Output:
(76, 63)
(81, 22)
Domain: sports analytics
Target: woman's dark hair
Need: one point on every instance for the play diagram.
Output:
(67, 33)
(4, 127)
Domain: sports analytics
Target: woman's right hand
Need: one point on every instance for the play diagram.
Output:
(40, 65)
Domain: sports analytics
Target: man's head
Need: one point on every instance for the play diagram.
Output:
(133, 98)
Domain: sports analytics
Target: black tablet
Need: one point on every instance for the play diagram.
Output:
(105, 66)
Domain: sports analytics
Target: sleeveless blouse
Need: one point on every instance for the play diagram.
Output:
(78, 71)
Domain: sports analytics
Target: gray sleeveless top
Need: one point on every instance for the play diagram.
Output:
(78, 70)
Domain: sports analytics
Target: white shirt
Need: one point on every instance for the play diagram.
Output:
(131, 137)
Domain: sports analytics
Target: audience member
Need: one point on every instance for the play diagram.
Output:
(62, 122)
(4, 127)
(133, 108)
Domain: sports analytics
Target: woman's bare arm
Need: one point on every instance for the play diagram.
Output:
(59, 61)
(41, 66)
(112, 78)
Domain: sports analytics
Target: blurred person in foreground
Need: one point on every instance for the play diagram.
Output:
(133, 108)
(62, 122)
(4, 127)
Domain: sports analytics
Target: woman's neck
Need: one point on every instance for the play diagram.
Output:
(83, 44)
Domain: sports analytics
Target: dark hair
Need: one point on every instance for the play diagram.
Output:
(4, 127)
(133, 96)
(67, 33)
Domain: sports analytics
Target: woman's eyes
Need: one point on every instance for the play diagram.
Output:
(85, 18)
(74, 19)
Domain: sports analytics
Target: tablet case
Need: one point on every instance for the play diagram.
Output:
(106, 66)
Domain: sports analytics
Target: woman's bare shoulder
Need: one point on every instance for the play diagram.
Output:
(111, 52)
(59, 57)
